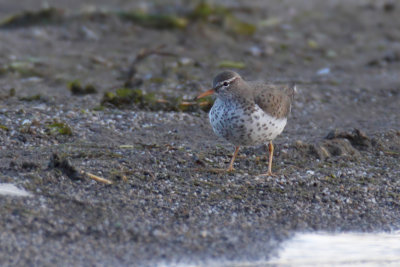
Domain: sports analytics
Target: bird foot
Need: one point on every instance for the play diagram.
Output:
(268, 174)
(230, 169)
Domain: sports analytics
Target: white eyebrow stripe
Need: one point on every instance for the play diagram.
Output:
(227, 81)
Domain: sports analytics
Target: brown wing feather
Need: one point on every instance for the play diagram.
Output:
(275, 100)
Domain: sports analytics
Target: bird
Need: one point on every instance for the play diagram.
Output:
(249, 113)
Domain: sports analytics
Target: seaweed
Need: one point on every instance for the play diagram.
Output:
(77, 89)
(125, 97)
(222, 16)
(236, 26)
(159, 21)
(214, 14)
(36, 97)
(31, 18)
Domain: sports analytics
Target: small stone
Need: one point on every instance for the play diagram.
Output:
(389, 7)
(185, 61)
(203, 234)
(26, 121)
(89, 34)
(324, 71)
(255, 51)
(330, 54)
(312, 44)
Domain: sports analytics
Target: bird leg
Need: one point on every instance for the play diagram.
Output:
(271, 154)
(233, 159)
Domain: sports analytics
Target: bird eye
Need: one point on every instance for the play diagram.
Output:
(225, 84)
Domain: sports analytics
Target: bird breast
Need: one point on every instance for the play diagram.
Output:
(244, 123)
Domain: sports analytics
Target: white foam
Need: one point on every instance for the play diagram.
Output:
(12, 190)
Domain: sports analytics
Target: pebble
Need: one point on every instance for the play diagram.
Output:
(324, 71)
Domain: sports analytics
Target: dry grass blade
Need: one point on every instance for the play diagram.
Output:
(96, 178)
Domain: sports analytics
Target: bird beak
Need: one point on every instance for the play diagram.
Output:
(206, 93)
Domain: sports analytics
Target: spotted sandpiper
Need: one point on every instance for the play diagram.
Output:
(249, 113)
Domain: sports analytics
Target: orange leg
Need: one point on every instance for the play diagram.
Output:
(271, 154)
(233, 159)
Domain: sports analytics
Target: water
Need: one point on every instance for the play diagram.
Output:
(325, 249)
(345, 249)
(12, 190)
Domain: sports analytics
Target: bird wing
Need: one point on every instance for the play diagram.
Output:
(275, 100)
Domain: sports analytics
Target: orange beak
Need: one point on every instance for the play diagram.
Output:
(206, 93)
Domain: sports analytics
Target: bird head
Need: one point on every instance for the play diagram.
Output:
(224, 84)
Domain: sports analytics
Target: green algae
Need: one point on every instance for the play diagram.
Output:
(231, 64)
(4, 128)
(60, 128)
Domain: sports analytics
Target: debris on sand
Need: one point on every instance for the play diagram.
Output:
(357, 138)
(96, 178)
(65, 166)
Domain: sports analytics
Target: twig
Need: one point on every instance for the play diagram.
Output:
(96, 178)
(162, 101)
(186, 103)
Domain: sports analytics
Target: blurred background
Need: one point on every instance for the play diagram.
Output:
(342, 54)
